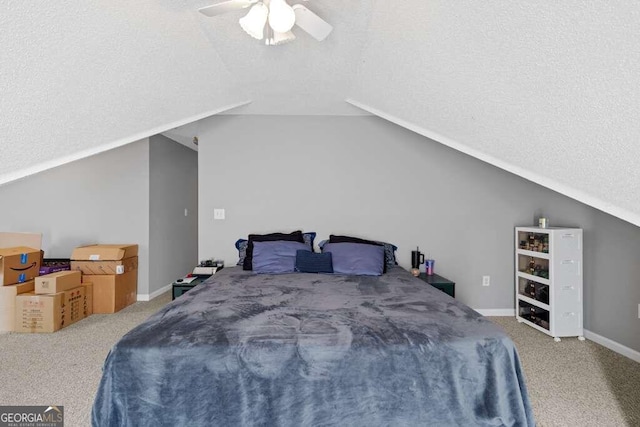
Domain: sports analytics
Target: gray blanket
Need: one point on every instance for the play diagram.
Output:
(313, 350)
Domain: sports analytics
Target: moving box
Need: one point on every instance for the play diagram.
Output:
(11, 268)
(8, 304)
(88, 298)
(104, 252)
(49, 312)
(58, 282)
(113, 292)
(120, 266)
(18, 264)
(74, 305)
(113, 270)
(39, 313)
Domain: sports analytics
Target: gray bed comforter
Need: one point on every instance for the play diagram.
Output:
(313, 350)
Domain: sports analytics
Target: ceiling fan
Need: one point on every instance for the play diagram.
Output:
(280, 16)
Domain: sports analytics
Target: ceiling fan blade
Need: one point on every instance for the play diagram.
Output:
(225, 6)
(317, 27)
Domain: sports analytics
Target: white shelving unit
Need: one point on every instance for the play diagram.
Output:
(548, 280)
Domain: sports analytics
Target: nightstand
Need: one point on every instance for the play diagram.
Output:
(445, 285)
(180, 288)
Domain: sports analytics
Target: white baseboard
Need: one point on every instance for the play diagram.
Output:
(149, 297)
(498, 312)
(612, 345)
(592, 336)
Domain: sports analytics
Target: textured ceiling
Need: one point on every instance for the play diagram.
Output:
(549, 90)
(304, 77)
(78, 75)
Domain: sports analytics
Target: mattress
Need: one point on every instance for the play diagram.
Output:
(243, 349)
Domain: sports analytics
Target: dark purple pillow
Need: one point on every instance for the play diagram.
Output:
(356, 258)
(296, 236)
(276, 257)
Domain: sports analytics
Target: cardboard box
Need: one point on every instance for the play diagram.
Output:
(104, 252)
(19, 264)
(58, 282)
(112, 293)
(88, 299)
(8, 304)
(39, 313)
(74, 305)
(106, 267)
(49, 312)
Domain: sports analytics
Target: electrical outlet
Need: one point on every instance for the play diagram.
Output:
(218, 214)
(486, 280)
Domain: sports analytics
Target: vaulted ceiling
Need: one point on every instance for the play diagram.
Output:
(547, 90)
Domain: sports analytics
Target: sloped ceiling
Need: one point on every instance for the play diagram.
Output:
(304, 77)
(547, 90)
(79, 76)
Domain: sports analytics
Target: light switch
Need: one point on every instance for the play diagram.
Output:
(218, 214)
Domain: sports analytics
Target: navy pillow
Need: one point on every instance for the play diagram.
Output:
(276, 257)
(310, 262)
(356, 258)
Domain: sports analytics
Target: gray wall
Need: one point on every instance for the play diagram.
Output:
(367, 177)
(173, 187)
(100, 199)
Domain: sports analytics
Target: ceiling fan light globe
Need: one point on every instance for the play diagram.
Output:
(253, 22)
(282, 38)
(282, 17)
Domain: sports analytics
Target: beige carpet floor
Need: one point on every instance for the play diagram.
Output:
(570, 383)
(576, 383)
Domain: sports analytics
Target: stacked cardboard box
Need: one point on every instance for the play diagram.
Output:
(113, 272)
(20, 258)
(88, 299)
(18, 264)
(39, 313)
(57, 301)
(8, 296)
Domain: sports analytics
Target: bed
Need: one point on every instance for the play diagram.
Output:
(313, 350)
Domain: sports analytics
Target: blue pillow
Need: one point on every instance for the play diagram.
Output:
(389, 252)
(310, 262)
(241, 245)
(356, 258)
(276, 257)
